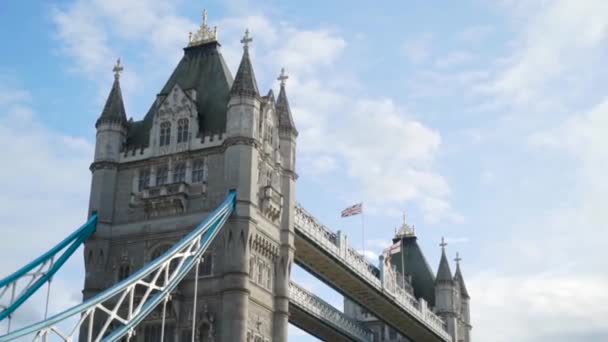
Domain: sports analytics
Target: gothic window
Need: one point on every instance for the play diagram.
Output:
(199, 172)
(252, 268)
(182, 130)
(269, 178)
(268, 278)
(179, 174)
(162, 173)
(144, 179)
(165, 133)
(124, 271)
(260, 273)
(206, 266)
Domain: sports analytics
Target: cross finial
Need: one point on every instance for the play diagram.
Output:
(458, 258)
(283, 77)
(404, 217)
(246, 40)
(117, 69)
(443, 243)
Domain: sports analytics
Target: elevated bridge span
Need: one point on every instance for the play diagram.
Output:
(327, 255)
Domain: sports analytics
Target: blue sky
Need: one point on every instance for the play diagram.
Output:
(484, 121)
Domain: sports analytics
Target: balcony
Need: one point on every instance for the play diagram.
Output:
(166, 199)
(272, 202)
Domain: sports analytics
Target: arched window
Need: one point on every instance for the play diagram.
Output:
(182, 130)
(199, 171)
(165, 133)
(206, 266)
(124, 271)
(179, 173)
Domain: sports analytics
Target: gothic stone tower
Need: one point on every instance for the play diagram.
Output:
(155, 179)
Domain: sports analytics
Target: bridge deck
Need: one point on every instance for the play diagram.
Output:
(324, 260)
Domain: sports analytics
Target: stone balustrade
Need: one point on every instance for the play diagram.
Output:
(319, 308)
(337, 246)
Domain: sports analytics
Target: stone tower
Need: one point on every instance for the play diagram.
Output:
(155, 179)
(452, 299)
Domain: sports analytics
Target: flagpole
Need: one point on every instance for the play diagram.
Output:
(363, 231)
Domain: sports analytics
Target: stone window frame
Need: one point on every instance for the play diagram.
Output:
(162, 175)
(183, 127)
(165, 133)
(143, 181)
(199, 171)
(179, 172)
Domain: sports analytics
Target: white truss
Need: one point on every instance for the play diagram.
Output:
(115, 312)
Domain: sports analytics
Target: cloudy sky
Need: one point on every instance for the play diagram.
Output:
(485, 121)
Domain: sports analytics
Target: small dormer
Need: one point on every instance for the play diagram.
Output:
(175, 121)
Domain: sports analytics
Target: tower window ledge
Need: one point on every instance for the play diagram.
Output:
(172, 189)
(272, 202)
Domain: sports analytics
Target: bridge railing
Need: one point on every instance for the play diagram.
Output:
(337, 246)
(322, 310)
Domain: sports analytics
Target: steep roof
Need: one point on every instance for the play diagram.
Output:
(460, 279)
(244, 81)
(201, 68)
(114, 109)
(444, 274)
(423, 279)
(284, 112)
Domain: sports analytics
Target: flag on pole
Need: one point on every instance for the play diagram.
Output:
(394, 249)
(353, 210)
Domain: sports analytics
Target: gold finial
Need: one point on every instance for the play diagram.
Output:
(117, 69)
(283, 77)
(204, 34)
(246, 40)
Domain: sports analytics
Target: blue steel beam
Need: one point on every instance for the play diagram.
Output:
(192, 246)
(72, 242)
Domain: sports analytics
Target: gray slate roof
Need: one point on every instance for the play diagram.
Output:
(201, 68)
(460, 279)
(284, 112)
(423, 279)
(444, 274)
(244, 81)
(114, 109)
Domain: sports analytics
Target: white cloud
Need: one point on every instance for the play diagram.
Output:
(556, 307)
(559, 42)
(45, 184)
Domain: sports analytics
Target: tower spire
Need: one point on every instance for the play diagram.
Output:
(286, 123)
(444, 274)
(114, 109)
(244, 81)
(459, 278)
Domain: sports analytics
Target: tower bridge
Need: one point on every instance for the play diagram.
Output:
(194, 229)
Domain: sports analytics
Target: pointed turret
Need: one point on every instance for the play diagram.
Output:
(459, 278)
(444, 274)
(244, 81)
(286, 123)
(114, 110)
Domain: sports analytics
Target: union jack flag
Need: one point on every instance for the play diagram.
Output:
(353, 210)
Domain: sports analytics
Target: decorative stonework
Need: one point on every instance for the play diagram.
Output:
(166, 199)
(204, 34)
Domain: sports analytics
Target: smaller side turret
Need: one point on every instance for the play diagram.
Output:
(445, 301)
(111, 136)
(464, 312)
